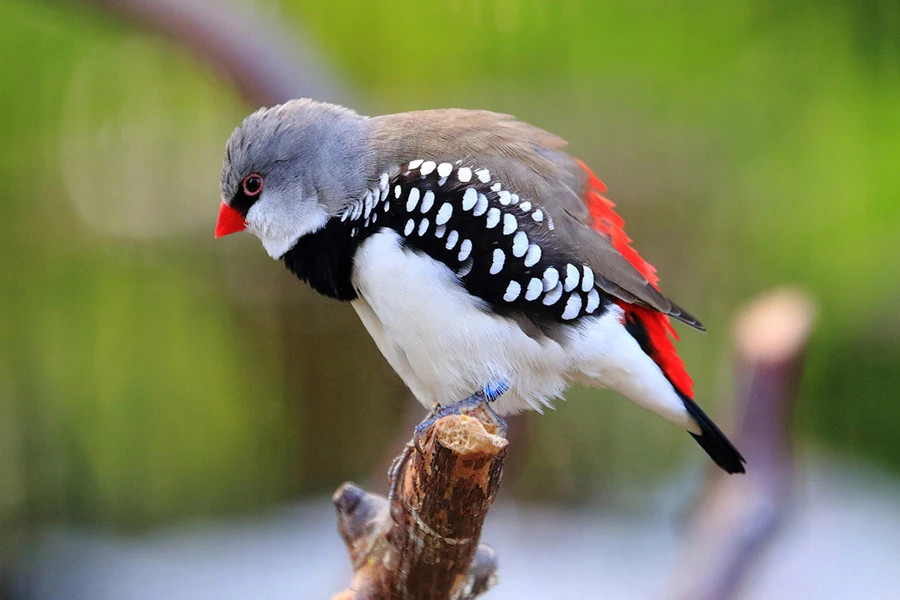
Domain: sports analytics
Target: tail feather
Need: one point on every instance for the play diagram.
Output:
(711, 439)
(654, 332)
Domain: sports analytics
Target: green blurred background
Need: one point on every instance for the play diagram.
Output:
(150, 374)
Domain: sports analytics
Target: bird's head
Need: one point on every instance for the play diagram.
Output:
(290, 168)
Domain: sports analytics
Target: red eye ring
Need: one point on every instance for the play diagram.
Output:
(252, 185)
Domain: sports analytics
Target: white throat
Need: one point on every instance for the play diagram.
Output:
(278, 235)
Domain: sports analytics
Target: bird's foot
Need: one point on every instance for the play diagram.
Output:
(480, 399)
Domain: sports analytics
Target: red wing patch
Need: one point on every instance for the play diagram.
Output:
(657, 325)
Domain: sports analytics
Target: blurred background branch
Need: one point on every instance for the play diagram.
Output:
(266, 62)
(737, 517)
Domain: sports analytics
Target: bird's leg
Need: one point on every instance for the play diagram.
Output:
(482, 398)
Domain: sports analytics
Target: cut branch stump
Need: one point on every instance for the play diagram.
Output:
(422, 542)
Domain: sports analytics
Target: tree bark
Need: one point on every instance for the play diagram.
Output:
(422, 542)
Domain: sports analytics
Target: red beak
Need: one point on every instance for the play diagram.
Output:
(230, 221)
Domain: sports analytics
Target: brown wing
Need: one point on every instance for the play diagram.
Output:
(530, 161)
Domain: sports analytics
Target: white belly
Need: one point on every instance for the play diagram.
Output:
(446, 345)
(440, 339)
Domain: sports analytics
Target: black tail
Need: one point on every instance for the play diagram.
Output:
(711, 439)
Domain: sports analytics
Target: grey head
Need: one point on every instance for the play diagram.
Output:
(290, 168)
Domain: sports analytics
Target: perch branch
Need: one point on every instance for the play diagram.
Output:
(739, 515)
(422, 542)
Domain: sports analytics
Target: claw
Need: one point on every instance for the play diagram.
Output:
(487, 395)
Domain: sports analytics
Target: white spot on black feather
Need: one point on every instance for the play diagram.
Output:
(410, 225)
(520, 244)
(534, 289)
(423, 227)
(444, 169)
(593, 301)
(493, 217)
(427, 167)
(464, 174)
(444, 213)
(571, 277)
(412, 199)
(587, 282)
(553, 296)
(509, 224)
(533, 255)
(551, 278)
(470, 198)
(573, 307)
(465, 249)
(427, 202)
(481, 205)
(452, 238)
(512, 291)
(499, 257)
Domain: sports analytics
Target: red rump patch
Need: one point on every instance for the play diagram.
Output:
(659, 328)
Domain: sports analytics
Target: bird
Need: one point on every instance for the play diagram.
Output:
(478, 254)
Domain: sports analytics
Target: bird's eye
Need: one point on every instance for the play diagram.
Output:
(252, 184)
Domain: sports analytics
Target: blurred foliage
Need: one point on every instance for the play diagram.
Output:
(147, 373)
